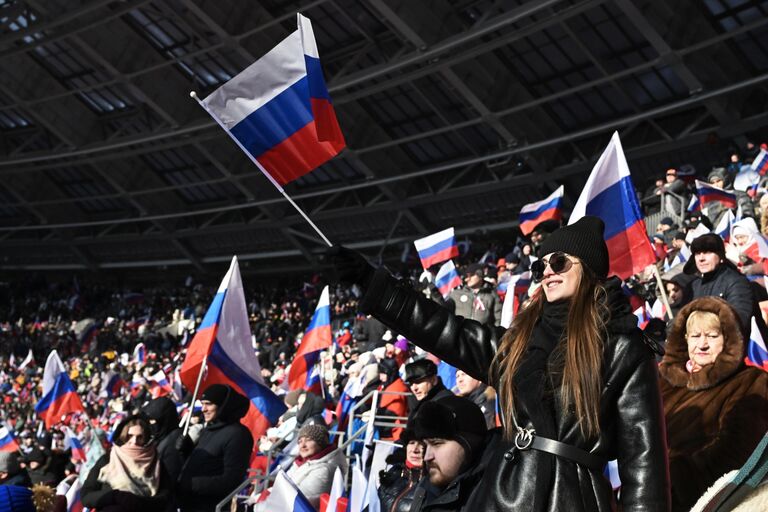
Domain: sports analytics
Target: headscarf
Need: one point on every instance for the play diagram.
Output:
(133, 469)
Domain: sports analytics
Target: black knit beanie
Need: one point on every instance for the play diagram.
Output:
(454, 418)
(216, 394)
(583, 239)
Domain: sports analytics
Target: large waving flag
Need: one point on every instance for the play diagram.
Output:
(303, 373)
(757, 353)
(279, 110)
(711, 194)
(610, 195)
(760, 163)
(437, 248)
(447, 278)
(7, 441)
(59, 394)
(550, 208)
(224, 338)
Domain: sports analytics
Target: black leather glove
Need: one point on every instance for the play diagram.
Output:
(184, 445)
(350, 266)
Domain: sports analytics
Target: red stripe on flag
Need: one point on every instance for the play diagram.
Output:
(526, 227)
(630, 251)
(439, 257)
(318, 338)
(328, 129)
(298, 154)
(63, 405)
(198, 349)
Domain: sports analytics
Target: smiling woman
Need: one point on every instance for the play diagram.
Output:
(577, 385)
(716, 408)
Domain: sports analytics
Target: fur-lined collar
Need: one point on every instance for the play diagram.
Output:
(729, 361)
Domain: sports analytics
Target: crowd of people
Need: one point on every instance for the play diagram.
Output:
(488, 403)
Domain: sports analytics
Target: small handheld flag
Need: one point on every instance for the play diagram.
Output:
(550, 208)
(760, 163)
(711, 194)
(757, 353)
(437, 248)
(7, 441)
(447, 278)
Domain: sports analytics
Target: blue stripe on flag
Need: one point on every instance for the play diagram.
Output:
(616, 206)
(321, 317)
(278, 119)
(530, 215)
(214, 311)
(434, 249)
(317, 88)
(267, 403)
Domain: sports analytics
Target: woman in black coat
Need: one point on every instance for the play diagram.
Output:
(130, 477)
(577, 384)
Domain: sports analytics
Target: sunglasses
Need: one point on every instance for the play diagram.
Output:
(558, 262)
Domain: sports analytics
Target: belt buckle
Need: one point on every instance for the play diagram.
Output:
(524, 438)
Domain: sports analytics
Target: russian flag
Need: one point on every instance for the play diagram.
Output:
(610, 195)
(711, 194)
(522, 282)
(757, 353)
(694, 205)
(74, 502)
(88, 337)
(72, 442)
(159, 385)
(642, 316)
(760, 163)
(533, 214)
(447, 278)
(508, 310)
(723, 228)
(7, 441)
(303, 373)
(658, 310)
(224, 341)
(279, 109)
(137, 384)
(140, 354)
(113, 383)
(286, 496)
(59, 394)
(437, 248)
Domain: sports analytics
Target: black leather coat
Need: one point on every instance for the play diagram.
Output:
(396, 488)
(631, 417)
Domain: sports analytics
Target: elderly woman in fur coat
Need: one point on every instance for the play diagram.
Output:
(716, 407)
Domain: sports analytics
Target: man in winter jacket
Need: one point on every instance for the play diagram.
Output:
(218, 463)
(717, 277)
(458, 448)
(423, 381)
(475, 300)
(481, 394)
(11, 473)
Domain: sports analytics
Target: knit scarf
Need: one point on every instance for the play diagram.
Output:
(133, 469)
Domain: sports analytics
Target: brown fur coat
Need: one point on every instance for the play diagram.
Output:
(715, 417)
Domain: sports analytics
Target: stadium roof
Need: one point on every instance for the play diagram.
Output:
(456, 113)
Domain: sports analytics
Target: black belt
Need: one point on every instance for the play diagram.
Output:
(543, 444)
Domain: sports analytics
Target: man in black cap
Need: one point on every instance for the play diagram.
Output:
(475, 300)
(718, 277)
(218, 463)
(423, 381)
(459, 447)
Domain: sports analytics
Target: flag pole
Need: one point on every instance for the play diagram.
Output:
(662, 291)
(194, 396)
(193, 94)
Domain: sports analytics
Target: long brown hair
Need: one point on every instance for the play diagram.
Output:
(582, 359)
